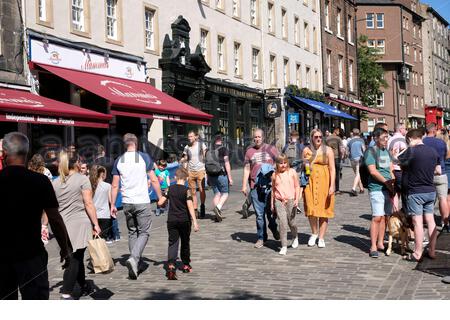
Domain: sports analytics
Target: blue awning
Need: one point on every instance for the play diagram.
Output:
(324, 108)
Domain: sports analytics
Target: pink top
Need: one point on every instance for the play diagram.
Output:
(286, 184)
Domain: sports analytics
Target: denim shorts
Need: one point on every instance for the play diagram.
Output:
(381, 203)
(420, 203)
(218, 183)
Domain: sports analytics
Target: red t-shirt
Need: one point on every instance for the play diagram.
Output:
(255, 157)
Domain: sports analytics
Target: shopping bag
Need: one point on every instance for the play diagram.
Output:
(100, 256)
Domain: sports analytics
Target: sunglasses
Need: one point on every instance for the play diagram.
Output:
(317, 137)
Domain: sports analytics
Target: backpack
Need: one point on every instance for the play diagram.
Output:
(213, 166)
(294, 151)
(364, 173)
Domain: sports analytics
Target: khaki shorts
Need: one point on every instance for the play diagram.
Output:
(355, 165)
(196, 179)
(441, 184)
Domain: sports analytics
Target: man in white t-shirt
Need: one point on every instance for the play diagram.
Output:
(133, 169)
(194, 155)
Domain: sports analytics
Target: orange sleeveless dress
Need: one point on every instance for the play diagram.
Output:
(316, 200)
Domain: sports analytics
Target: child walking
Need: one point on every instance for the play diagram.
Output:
(102, 199)
(179, 221)
(285, 196)
(164, 181)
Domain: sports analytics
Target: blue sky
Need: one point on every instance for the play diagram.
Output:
(441, 6)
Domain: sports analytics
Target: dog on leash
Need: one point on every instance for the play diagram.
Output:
(398, 226)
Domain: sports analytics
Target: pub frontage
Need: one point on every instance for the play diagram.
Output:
(236, 109)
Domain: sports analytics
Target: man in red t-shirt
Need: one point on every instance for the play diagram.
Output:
(255, 156)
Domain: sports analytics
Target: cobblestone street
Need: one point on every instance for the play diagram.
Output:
(226, 266)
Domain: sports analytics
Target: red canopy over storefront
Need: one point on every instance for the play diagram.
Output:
(132, 98)
(23, 106)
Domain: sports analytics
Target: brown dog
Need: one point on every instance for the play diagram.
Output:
(398, 228)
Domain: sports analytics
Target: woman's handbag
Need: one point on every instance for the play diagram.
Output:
(100, 256)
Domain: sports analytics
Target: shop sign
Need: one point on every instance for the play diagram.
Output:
(293, 118)
(123, 90)
(53, 54)
(273, 108)
(38, 119)
(20, 101)
(166, 117)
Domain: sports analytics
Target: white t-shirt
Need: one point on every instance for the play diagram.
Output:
(132, 167)
(101, 200)
(195, 157)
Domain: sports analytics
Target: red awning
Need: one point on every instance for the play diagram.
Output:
(132, 98)
(23, 106)
(360, 107)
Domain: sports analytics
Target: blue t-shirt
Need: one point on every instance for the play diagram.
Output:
(355, 146)
(383, 165)
(440, 147)
(418, 164)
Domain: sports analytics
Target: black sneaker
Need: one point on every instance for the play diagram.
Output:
(218, 214)
(353, 193)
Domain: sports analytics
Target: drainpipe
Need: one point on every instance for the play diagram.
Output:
(403, 68)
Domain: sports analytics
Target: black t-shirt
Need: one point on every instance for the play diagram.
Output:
(178, 196)
(418, 164)
(23, 196)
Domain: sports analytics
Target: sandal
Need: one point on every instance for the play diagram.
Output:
(412, 258)
(426, 254)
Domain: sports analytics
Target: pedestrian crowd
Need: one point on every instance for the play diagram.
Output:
(404, 173)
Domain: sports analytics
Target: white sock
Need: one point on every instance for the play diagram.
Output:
(219, 206)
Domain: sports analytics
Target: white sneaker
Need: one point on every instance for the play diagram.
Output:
(283, 251)
(321, 243)
(294, 243)
(312, 240)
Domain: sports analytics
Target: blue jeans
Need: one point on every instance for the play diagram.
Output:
(115, 234)
(262, 208)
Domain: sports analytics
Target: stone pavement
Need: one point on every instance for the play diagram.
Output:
(226, 266)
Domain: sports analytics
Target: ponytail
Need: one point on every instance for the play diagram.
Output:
(66, 163)
(95, 173)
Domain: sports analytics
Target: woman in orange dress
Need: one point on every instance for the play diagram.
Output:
(319, 193)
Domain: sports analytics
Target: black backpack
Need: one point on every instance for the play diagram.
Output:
(364, 173)
(213, 166)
